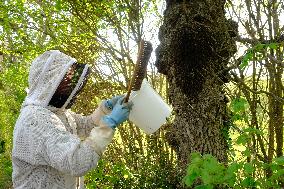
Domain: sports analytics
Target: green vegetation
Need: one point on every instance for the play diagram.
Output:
(104, 34)
(12, 94)
(211, 174)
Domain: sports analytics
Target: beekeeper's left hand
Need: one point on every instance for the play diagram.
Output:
(110, 103)
(119, 114)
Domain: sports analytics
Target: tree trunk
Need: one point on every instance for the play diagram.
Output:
(196, 44)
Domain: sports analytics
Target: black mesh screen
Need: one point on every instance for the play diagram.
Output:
(67, 84)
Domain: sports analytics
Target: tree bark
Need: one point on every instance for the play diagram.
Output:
(196, 44)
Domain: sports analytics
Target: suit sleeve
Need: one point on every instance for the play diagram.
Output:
(45, 141)
(86, 123)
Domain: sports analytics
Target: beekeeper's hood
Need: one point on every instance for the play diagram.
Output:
(46, 73)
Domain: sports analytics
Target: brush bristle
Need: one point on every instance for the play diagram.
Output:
(145, 50)
(141, 65)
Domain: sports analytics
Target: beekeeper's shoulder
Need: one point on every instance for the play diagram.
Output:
(43, 116)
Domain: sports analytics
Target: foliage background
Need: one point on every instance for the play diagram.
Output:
(105, 34)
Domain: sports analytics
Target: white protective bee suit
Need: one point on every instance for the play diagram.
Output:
(52, 146)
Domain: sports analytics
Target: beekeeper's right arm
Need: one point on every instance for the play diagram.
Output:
(43, 140)
(86, 123)
(107, 125)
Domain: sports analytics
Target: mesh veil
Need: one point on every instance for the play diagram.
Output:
(67, 85)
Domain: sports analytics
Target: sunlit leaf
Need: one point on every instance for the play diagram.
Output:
(239, 104)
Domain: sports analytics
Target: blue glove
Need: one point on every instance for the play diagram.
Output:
(110, 103)
(119, 113)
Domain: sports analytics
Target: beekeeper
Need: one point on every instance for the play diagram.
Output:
(52, 146)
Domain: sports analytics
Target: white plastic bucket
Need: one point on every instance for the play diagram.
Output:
(149, 111)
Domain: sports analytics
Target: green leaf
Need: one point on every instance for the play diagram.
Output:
(249, 55)
(249, 168)
(206, 177)
(236, 117)
(230, 176)
(253, 131)
(248, 182)
(273, 45)
(211, 164)
(274, 167)
(279, 160)
(239, 105)
(247, 152)
(259, 47)
(244, 63)
(242, 139)
(58, 5)
(204, 187)
(194, 169)
(234, 167)
(189, 179)
(195, 156)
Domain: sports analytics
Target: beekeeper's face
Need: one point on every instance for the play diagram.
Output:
(70, 86)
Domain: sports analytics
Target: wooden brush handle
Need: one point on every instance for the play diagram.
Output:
(140, 51)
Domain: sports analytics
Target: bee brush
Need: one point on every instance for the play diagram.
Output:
(144, 52)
